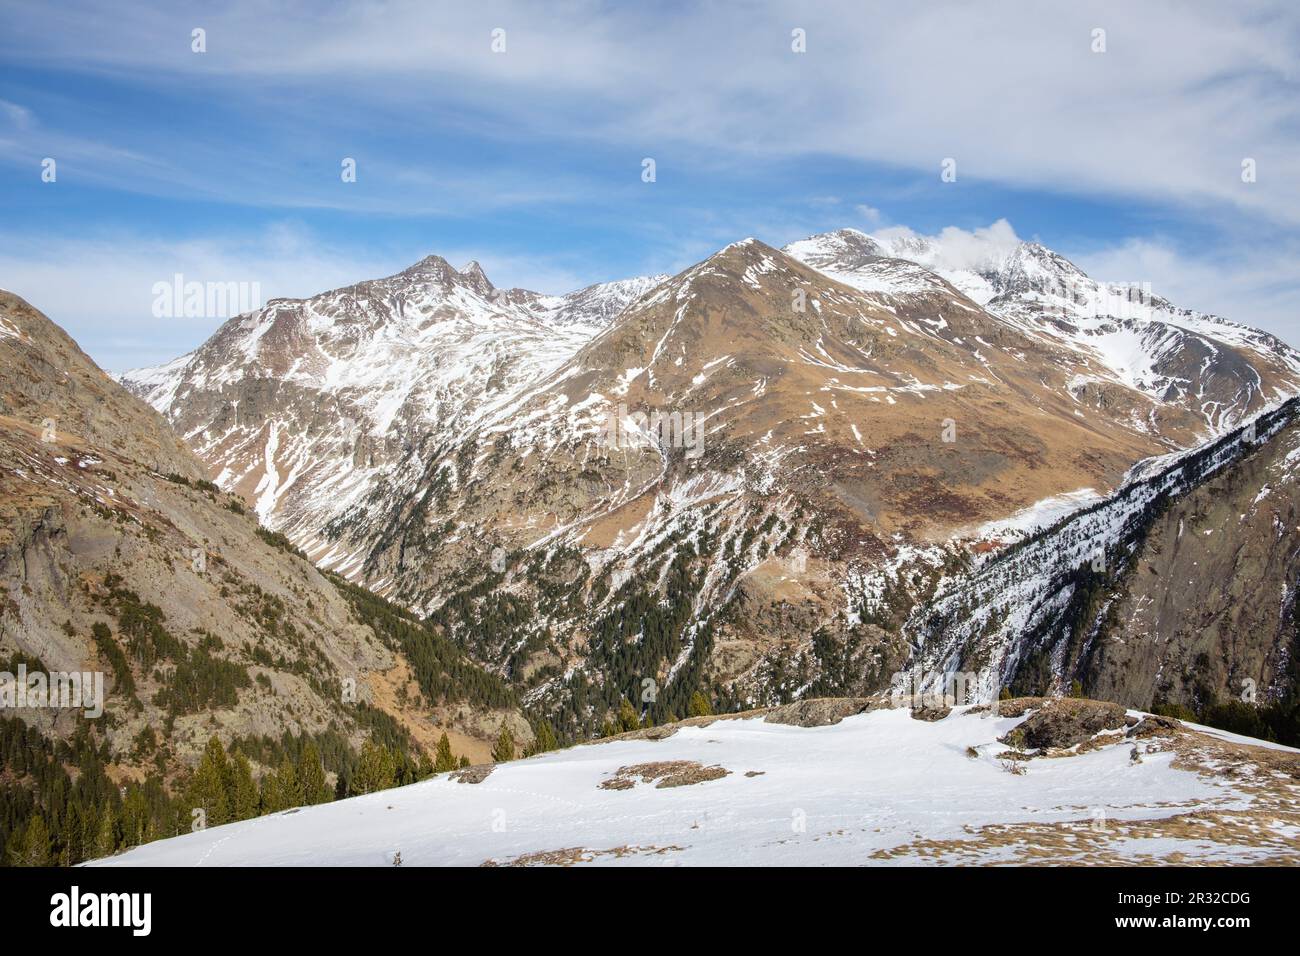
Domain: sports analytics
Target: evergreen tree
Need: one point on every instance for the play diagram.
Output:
(405, 769)
(627, 718)
(243, 792)
(106, 836)
(270, 799)
(288, 787)
(73, 832)
(505, 746)
(444, 760)
(374, 769)
(311, 777)
(544, 738)
(138, 824)
(35, 848)
(464, 760)
(208, 790)
(699, 706)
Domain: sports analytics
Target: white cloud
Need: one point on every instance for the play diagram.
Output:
(956, 248)
(871, 214)
(1010, 90)
(19, 116)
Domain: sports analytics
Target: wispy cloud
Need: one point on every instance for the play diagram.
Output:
(1013, 92)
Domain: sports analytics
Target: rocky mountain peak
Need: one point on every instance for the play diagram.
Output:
(845, 249)
(1032, 267)
(431, 268)
(477, 277)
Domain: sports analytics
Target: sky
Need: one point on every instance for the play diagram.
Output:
(516, 134)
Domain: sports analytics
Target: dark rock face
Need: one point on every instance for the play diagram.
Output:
(930, 713)
(1208, 609)
(1179, 589)
(1064, 722)
(819, 712)
(475, 774)
(1154, 726)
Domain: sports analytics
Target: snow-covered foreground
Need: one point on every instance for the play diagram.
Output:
(879, 781)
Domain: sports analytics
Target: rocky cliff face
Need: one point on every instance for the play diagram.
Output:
(1179, 588)
(1207, 610)
(54, 387)
(116, 556)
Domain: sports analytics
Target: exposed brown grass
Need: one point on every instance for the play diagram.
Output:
(668, 773)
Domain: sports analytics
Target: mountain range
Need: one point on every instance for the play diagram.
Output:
(420, 521)
(753, 478)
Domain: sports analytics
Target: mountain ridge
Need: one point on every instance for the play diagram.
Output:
(858, 413)
(117, 558)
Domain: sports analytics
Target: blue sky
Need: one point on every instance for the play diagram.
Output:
(225, 165)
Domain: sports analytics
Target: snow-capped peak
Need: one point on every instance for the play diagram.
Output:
(477, 277)
(844, 249)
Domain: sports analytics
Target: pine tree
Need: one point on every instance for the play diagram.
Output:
(137, 817)
(699, 706)
(288, 787)
(544, 738)
(34, 848)
(106, 836)
(243, 792)
(444, 760)
(311, 777)
(505, 746)
(374, 769)
(627, 718)
(207, 790)
(405, 769)
(270, 799)
(73, 832)
(464, 760)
